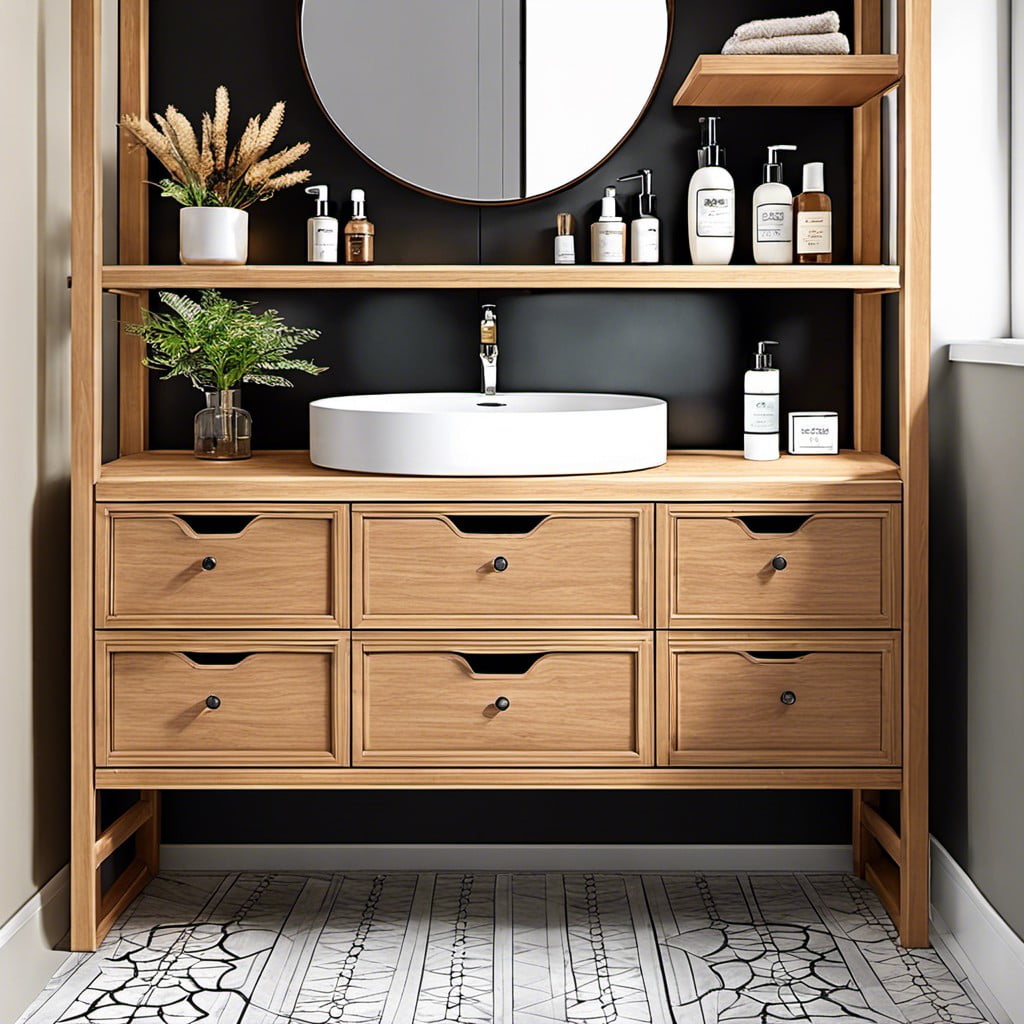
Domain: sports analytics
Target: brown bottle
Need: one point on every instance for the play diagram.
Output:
(812, 211)
(358, 232)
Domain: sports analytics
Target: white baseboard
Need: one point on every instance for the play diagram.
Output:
(985, 946)
(441, 857)
(28, 957)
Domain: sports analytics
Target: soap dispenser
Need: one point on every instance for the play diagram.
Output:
(608, 233)
(712, 202)
(761, 407)
(359, 231)
(321, 230)
(773, 213)
(645, 231)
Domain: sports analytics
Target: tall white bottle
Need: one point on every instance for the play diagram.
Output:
(321, 230)
(761, 408)
(712, 202)
(773, 213)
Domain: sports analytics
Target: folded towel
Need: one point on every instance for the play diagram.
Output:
(833, 43)
(813, 25)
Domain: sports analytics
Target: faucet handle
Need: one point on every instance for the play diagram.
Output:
(490, 311)
(489, 326)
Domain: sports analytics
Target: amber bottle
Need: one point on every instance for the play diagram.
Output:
(812, 211)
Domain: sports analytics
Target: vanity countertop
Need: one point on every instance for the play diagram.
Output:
(686, 476)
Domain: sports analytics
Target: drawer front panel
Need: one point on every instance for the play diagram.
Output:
(222, 566)
(426, 699)
(779, 566)
(779, 699)
(231, 701)
(502, 566)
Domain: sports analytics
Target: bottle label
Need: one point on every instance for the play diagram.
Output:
(611, 243)
(814, 233)
(775, 222)
(760, 414)
(646, 240)
(565, 249)
(716, 213)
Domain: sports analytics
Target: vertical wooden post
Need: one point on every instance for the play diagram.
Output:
(867, 242)
(915, 359)
(865, 846)
(133, 223)
(86, 422)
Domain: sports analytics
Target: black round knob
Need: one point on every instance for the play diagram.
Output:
(500, 563)
(209, 563)
(788, 698)
(213, 702)
(779, 563)
(503, 703)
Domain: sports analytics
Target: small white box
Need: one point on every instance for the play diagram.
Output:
(814, 433)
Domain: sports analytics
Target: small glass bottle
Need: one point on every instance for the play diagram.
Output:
(813, 214)
(223, 430)
(359, 232)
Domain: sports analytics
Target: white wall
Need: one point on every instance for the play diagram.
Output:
(34, 211)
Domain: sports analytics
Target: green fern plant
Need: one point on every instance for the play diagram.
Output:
(219, 343)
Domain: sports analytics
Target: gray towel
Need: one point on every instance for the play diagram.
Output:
(813, 25)
(832, 43)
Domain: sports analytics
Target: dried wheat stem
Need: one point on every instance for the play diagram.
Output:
(219, 138)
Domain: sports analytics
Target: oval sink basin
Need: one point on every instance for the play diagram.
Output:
(518, 434)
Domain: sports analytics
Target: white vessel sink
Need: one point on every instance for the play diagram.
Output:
(518, 434)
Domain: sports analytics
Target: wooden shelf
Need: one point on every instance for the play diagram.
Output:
(851, 278)
(718, 80)
(687, 476)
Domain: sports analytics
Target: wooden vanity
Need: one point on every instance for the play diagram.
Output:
(709, 624)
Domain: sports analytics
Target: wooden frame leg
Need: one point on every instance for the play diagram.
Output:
(865, 846)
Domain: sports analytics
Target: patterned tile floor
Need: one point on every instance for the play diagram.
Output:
(508, 948)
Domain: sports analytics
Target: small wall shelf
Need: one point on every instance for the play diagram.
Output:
(853, 278)
(718, 80)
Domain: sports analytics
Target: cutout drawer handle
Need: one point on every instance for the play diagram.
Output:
(779, 563)
(500, 563)
(777, 655)
(765, 525)
(788, 698)
(503, 525)
(209, 563)
(213, 702)
(499, 664)
(502, 703)
(230, 526)
(226, 659)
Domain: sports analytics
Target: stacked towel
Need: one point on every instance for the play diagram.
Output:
(817, 33)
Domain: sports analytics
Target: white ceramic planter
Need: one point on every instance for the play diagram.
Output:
(213, 235)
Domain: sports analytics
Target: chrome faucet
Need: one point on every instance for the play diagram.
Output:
(489, 350)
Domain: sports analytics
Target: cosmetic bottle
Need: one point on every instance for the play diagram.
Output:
(608, 233)
(645, 230)
(321, 230)
(565, 239)
(773, 213)
(761, 407)
(712, 202)
(813, 211)
(358, 231)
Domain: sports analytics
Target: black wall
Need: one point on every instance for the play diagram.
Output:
(690, 348)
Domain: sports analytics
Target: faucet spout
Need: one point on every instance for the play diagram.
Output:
(489, 351)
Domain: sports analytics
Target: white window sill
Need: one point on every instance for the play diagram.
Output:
(1003, 352)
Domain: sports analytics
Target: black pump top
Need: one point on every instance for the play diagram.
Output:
(763, 358)
(710, 154)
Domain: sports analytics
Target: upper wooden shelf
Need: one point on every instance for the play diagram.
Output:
(687, 476)
(855, 278)
(718, 80)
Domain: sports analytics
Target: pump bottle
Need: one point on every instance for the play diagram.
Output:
(359, 232)
(608, 233)
(773, 213)
(645, 230)
(321, 230)
(712, 202)
(761, 407)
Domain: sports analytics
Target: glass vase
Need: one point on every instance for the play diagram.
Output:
(223, 430)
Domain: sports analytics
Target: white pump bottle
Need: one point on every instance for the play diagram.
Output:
(761, 407)
(712, 202)
(773, 213)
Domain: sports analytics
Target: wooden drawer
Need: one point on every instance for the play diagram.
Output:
(793, 699)
(281, 699)
(565, 566)
(435, 699)
(779, 566)
(209, 566)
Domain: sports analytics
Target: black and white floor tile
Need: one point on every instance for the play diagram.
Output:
(505, 948)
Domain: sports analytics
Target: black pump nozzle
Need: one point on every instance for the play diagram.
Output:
(710, 154)
(763, 358)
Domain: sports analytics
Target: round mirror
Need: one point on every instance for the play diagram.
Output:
(485, 101)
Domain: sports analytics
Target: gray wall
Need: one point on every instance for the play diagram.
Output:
(34, 206)
(977, 461)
